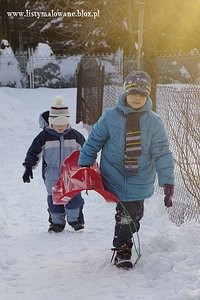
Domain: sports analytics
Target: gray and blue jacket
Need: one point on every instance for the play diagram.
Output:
(108, 135)
(53, 148)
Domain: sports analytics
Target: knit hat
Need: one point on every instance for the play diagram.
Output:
(138, 82)
(59, 113)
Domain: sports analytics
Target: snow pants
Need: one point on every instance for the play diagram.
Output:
(73, 211)
(127, 221)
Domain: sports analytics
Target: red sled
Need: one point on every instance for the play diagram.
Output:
(74, 179)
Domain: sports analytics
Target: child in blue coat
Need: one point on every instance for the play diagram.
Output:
(134, 148)
(57, 141)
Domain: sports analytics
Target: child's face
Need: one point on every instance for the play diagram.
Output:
(136, 101)
(59, 128)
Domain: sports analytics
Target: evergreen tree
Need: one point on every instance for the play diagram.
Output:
(169, 25)
(107, 31)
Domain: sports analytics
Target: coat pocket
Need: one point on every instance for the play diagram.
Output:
(146, 170)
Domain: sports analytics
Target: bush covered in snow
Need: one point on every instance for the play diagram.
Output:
(43, 65)
(10, 74)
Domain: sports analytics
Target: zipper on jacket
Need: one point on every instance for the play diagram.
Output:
(125, 185)
(61, 150)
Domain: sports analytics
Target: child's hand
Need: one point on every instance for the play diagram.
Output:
(169, 192)
(28, 174)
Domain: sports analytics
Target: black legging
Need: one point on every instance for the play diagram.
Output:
(127, 219)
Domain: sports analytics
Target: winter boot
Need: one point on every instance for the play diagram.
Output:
(78, 227)
(122, 255)
(56, 228)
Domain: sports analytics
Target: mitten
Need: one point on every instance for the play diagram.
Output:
(28, 174)
(169, 192)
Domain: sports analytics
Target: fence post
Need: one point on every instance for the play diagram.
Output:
(31, 68)
(79, 94)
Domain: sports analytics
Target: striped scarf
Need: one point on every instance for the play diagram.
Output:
(133, 144)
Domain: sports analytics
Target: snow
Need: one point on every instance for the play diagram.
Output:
(68, 66)
(10, 74)
(41, 56)
(51, 70)
(76, 265)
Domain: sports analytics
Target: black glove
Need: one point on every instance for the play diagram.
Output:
(169, 192)
(28, 174)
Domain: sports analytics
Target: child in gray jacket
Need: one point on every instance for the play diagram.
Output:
(57, 141)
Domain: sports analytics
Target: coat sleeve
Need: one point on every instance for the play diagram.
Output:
(97, 137)
(35, 151)
(160, 151)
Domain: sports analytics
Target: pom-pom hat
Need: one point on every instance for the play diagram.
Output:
(59, 113)
(138, 82)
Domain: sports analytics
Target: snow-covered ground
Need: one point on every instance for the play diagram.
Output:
(36, 265)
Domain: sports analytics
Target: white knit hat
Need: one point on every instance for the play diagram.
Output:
(59, 113)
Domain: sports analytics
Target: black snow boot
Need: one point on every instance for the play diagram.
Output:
(78, 227)
(122, 255)
(56, 228)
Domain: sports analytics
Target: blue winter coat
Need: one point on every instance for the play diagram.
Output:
(108, 134)
(53, 147)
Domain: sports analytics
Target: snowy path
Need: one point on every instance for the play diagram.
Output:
(76, 265)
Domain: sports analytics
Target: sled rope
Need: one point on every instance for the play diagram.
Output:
(137, 249)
